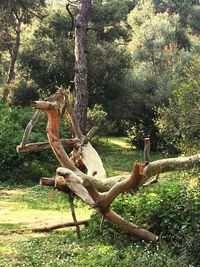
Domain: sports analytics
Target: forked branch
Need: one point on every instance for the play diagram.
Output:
(89, 185)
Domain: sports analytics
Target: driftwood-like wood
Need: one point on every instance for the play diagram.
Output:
(58, 226)
(103, 202)
(92, 161)
(147, 147)
(75, 125)
(153, 168)
(93, 187)
(39, 146)
(58, 96)
(29, 127)
(168, 165)
(47, 181)
(71, 202)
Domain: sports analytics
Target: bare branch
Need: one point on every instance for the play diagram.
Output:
(131, 183)
(71, 202)
(147, 146)
(39, 146)
(168, 165)
(75, 125)
(58, 226)
(29, 127)
(130, 227)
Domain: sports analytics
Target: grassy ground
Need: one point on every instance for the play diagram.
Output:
(23, 208)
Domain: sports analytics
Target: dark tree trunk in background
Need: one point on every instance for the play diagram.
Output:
(13, 58)
(81, 70)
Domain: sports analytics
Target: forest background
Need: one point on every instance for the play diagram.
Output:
(144, 80)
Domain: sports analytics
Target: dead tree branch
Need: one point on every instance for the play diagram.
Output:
(58, 226)
(88, 186)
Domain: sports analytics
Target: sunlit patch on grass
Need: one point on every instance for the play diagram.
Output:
(120, 141)
(193, 183)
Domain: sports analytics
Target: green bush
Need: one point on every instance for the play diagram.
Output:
(98, 117)
(139, 131)
(179, 121)
(15, 166)
(24, 92)
(170, 209)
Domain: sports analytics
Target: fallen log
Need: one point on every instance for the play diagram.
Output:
(92, 186)
(39, 146)
(58, 226)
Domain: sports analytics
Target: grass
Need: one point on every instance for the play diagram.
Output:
(22, 208)
(118, 156)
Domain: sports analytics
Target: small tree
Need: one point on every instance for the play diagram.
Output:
(179, 122)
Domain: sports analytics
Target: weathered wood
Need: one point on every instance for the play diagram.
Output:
(152, 181)
(75, 183)
(101, 184)
(90, 134)
(87, 186)
(47, 181)
(88, 152)
(58, 226)
(147, 146)
(39, 146)
(130, 227)
(131, 183)
(71, 202)
(29, 127)
(168, 165)
(103, 201)
(92, 161)
(58, 96)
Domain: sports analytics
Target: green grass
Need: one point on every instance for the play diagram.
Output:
(118, 156)
(23, 208)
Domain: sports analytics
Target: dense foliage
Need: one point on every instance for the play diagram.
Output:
(19, 167)
(170, 209)
(135, 51)
(179, 121)
(144, 79)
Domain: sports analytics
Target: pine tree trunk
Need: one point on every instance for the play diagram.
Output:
(81, 70)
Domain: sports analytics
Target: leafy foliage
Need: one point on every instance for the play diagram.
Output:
(99, 118)
(170, 209)
(179, 122)
(17, 167)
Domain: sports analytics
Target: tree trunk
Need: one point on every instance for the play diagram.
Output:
(13, 58)
(81, 70)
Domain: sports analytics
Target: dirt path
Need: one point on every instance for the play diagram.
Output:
(17, 219)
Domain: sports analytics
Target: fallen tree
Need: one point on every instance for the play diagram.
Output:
(82, 172)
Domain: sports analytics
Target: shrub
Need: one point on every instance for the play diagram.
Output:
(20, 166)
(169, 209)
(179, 121)
(24, 92)
(139, 131)
(98, 117)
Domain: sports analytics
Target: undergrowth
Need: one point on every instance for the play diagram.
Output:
(170, 209)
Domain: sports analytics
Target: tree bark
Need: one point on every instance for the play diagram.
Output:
(39, 146)
(81, 70)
